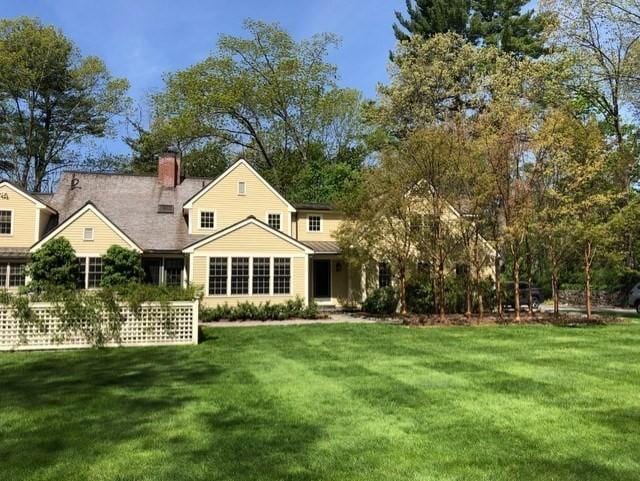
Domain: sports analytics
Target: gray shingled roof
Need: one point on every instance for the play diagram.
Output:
(131, 203)
(323, 247)
(313, 206)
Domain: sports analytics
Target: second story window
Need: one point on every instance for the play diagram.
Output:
(6, 222)
(88, 233)
(242, 188)
(207, 219)
(274, 221)
(314, 223)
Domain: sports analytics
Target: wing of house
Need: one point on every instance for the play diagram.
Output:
(235, 235)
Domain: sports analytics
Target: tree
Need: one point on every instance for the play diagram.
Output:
(501, 23)
(51, 100)
(266, 97)
(121, 266)
(428, 17)
(53, 265)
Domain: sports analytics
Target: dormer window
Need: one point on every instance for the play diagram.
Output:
(207, 219)
(88, 234)
(242, 188)
(6, 222)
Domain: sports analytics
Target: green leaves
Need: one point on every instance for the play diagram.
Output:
(54, 265)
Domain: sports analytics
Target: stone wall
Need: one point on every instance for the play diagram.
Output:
(598, 298)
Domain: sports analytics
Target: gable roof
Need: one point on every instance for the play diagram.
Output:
(239, 225)
(32, 197)
(88, 207)
(131, 202)
(189, 203)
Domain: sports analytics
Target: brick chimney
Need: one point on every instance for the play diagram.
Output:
(169, 168)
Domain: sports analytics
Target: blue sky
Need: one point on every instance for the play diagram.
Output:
(142, 39)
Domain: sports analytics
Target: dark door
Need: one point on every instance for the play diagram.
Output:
(322, 278)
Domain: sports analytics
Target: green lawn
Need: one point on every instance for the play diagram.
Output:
(338, 402)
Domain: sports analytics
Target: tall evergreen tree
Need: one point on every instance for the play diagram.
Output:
(428, 17)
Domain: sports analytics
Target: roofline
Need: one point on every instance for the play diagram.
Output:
(189, 248)
(86, 207)
(302, 207)
(38, 202)
(189, 202)
(125, 174)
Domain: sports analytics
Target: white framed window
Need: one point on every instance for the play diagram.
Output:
(314, 223)
(89, 272)
(242, 188)
(239, 275)
(274, 219)
(282, 275)
(14, 274)
(88, 234)
(261, 275)
(218, 276)
(6, 222)
(208, 219)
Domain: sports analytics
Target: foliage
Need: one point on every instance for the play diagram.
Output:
(502, 24)
(246, 311)
(51, 100)
(54, 265)
(382, 301)
(121, 266)
(420, 297)
(266, 97)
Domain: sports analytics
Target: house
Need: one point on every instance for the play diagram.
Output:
(234, 235)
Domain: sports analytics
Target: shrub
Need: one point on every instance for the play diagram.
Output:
(54, 264)
(245, 311)
(121, 266)
(381, 301)
(420, 298)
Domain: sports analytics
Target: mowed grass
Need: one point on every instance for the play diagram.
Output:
(332, 402)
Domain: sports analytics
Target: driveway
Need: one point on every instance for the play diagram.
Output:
(620, 311)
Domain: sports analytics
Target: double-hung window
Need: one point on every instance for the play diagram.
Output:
(314, 223)
(89, 272)
(6, 222)
(274, 220)
(17, 276)
(384, 275)
(218, 276)
(207, 219)
(239, 275)
(261, 275)
(281, 275)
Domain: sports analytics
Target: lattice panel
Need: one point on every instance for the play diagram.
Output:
(153, 325)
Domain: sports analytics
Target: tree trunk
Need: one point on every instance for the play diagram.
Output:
(516, 287)
(587, 278)
(498, 287)
(468, 294)
(402, 291)
(441, 290)
(529, 280)
(555, 293)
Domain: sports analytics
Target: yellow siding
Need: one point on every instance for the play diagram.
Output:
(103, 236)
(250, 238)
(200, 274)
(329, 224)
(231, 208)
(24, 219)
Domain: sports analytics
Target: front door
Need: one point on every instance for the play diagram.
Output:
(322, 278)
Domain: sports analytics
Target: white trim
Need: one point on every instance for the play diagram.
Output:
(86, 230)
(244, 185)
(321, 223)
(274, 212)
(215, 220)
(13, 218)
(208, 187)
(306, 279)
(242, 224)
(38, 204)
(36, 233)
(74, 217)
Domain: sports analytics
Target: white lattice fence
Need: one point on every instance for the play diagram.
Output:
(154, 324)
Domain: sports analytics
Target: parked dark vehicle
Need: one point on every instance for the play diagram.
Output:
(536, 295)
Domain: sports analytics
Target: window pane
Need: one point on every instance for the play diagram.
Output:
(314, 223)
(274, 221)
(261, 268)
(240, 275)
(173, 272)
(16, 274)
(384, 275)
(207, 220)
(281, 275)
(95, 272)
(218, 276)
(82, 266)
(5, 222)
